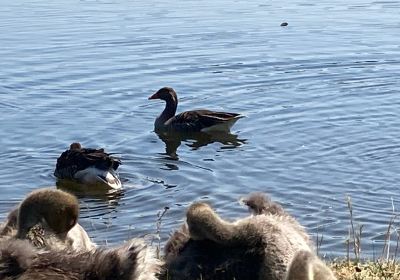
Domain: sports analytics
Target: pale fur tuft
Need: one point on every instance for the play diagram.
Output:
(148, 265)
(132, 261)
(305, 265)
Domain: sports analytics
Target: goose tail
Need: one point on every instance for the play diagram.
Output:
(96, 176)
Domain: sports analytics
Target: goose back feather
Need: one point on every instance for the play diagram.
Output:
(87, 165)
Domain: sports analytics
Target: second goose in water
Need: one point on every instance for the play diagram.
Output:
(190, 121)
(88, 166)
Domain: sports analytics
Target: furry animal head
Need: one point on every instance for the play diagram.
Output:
(259, 203)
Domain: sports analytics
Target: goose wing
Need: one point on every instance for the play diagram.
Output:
(72, 161)
(199, 120)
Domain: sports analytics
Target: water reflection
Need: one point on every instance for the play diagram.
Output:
(97, 191)
(196, 140)
(98, 206)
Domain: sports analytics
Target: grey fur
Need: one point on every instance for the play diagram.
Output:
(19, 260)
(307, 266)
(256, 247)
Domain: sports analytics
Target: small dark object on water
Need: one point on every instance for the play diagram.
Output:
(284, 24)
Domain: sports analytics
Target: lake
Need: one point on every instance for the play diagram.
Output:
(320, 96)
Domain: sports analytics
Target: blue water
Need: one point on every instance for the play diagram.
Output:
(320, 98)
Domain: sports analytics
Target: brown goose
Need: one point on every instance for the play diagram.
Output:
(268, 245)
(48, 219)
(190, 121)
(88, 166)
(134, 260)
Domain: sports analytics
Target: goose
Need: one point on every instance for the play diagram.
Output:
(48, 219)
(263, 246)
(134, 260)
(190, 121)
(88, 166)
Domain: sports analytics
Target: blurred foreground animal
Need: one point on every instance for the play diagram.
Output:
(48, 218)
(270, 245)
(19, 260)
(41, 240)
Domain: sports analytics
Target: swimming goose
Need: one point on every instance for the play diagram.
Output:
(257, 247)
(88, 166)
(48, 219)
(190, 121)
(134, 260)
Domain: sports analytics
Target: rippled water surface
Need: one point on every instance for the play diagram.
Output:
(320, 96)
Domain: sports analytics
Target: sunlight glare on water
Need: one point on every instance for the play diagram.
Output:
(320, 98)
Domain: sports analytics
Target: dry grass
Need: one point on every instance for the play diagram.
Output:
(160, 215)
(378, 270)
(386, 267)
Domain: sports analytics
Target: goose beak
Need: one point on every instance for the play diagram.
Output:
(154, 96)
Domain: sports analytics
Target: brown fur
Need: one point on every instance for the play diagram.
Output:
(8, 227)
(257, 247)
(259, 203)
(58, 209)
(47, 218)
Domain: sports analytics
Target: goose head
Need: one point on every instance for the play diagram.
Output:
(46, 213)
(75, 146)
(167, 94)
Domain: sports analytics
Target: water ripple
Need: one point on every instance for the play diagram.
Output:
(320, 98)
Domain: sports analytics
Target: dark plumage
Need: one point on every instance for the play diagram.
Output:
(89, 166)
(257, 247)
(19, 260)
(190, 121)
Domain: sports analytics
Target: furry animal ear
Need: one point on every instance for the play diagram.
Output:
(259, 203)
(307, 266)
